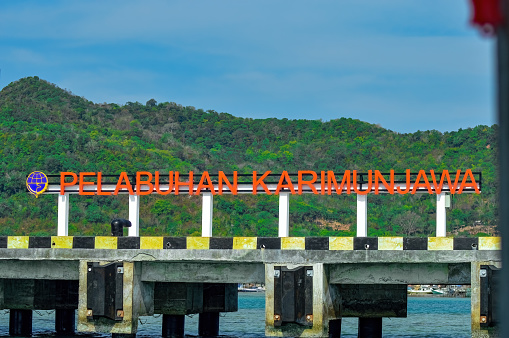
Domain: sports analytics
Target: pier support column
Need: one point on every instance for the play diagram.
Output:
(134, 298)
(66, 303)
(335, 328)
(370, 327)
(475, 301)
(174, 301)
(208, 324)
(20, 322)
(217, 297)
(65, 322)
(173, 326)
(322, 301)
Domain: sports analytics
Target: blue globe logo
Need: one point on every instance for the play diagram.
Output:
(37, 182)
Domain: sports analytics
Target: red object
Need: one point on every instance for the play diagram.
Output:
(487, 14)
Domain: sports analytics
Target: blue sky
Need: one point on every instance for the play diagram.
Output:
(407, 65)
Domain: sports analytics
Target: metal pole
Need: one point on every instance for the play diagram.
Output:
(503, 156)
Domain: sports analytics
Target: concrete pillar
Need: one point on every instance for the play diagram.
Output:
(208, 324)
(284, 214)
(217, 297)
(65, 322)
(134, 215)
(63, 214)
(123, 335)
(20, 323)
(475, 300)
(335, 328)
(362, 215)
(177, 299)
(441, 216)
(207, 214)
(325, 305)
(173, 326)
(370, 328)
(137, 300)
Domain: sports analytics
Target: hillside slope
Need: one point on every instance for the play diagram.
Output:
(43, 127)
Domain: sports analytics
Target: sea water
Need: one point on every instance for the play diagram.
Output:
(431, 317)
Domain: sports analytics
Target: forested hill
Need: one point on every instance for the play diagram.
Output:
(49, 129)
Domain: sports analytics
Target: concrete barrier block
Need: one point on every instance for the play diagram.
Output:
(293, 243)
(61, 242)
(440, 243)
(17, 242)
(240, 243)
(340, 243)
(390, 243)
(104, 242)
(198, 243)
(147, 242)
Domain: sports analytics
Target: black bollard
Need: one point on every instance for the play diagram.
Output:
(20, 322)
(65, 322)
(335, 328)
(208, 324)
(117, 226)
(173, 326)
(370, 327)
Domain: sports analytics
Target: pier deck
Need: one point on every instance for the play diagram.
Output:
(336, 264)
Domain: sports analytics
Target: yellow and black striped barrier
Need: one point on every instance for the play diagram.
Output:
(252, 243)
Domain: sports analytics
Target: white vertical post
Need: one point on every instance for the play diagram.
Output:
(284, 214)
(63, 214)
(441, 216)
(134, 215)
(207, 214)
(362, 215)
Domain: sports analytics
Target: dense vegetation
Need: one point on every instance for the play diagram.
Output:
(43, 127)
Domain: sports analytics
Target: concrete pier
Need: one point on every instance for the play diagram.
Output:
(136, 300)
(370, 327)
(321, 280)
(65, 322)
(208, 324)
(217, 298)
(479, 321)
(173, 326)
(321, 305)
(20, 322)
